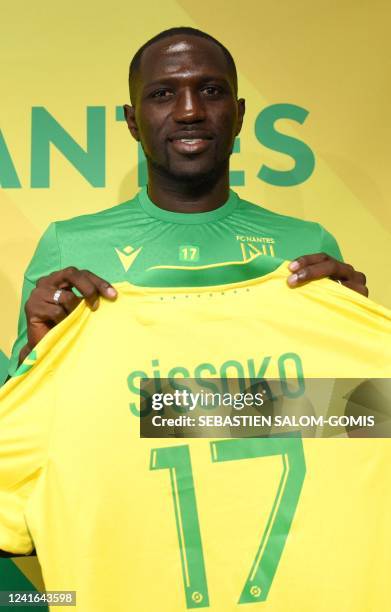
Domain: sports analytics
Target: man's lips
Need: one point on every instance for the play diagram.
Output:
(190, 143)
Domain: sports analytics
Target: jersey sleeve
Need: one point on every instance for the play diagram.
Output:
(46, 259)
(26, 409)
(329, 245)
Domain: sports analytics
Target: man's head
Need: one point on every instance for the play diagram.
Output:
(185, 111)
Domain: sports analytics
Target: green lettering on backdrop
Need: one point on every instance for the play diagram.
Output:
(91, 161)
(236, 177)
(268, 136)
(45, 130)
(8, 175)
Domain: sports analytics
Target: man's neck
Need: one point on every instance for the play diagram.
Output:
(188, 196)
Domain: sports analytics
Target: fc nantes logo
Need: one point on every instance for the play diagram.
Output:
(127, 256)
(249, 252)
(265, 245)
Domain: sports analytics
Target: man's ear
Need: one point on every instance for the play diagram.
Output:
(241, 111)
(130, 117)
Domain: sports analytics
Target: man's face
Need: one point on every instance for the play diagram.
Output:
(186, 113)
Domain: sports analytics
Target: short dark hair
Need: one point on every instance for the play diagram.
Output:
(135, 63)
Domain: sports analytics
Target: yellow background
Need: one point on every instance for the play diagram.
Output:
(332, 58)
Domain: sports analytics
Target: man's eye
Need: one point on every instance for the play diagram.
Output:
(211, 90)
(161, 93)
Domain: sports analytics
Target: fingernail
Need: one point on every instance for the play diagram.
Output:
(110, 292)
(95, 305)
(292, 279)
(294, 265)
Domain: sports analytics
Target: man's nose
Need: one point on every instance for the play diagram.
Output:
(189, 107)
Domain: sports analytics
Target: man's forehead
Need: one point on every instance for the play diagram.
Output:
(180, 54)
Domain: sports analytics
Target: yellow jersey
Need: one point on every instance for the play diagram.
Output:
(131, 523)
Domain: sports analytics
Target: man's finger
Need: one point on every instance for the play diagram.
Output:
(357, 287)
(105, 289)
(67, 299)
(360, 278)
(90, 285)
(328, 268)
(307, 260)
(65, 280)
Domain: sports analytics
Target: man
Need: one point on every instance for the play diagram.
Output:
(187, 227)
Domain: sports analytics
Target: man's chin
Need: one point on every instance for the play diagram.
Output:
(189, 173)
(196, 177)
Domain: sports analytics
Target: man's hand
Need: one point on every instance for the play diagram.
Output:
(43, 311)
(320, 265)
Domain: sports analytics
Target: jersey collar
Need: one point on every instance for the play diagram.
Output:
(187, 218)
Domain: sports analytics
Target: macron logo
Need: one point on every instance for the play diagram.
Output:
(127, 256)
